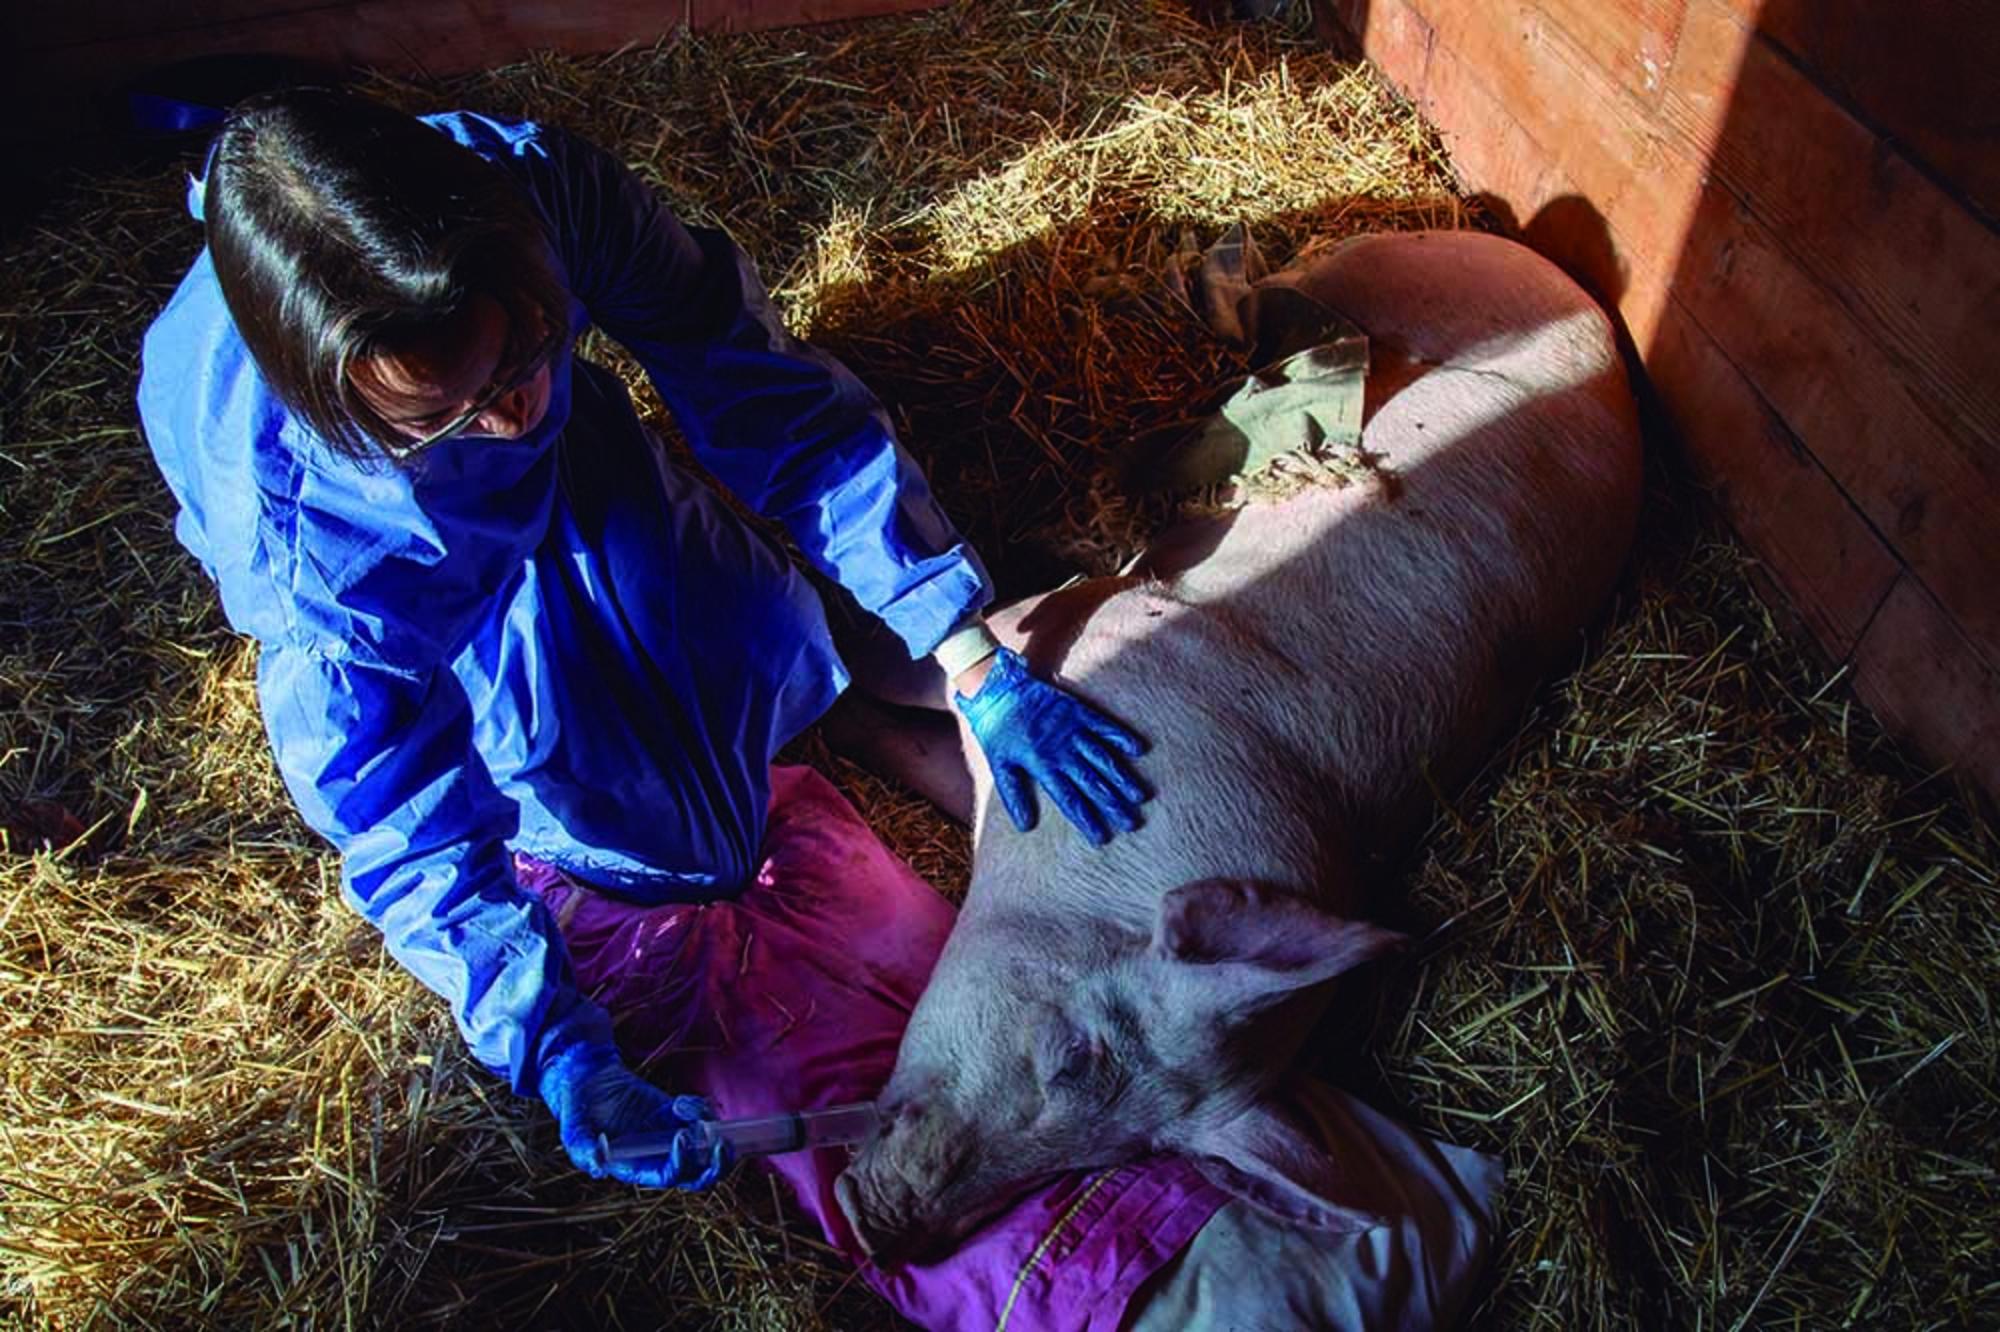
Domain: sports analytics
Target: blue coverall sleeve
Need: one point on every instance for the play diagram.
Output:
(782, 424)
(381, 762)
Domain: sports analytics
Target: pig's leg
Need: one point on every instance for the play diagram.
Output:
(878, 659)
(895, 719)
(919, 747)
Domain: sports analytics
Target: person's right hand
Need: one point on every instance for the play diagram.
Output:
(595, 1098)
(1034, 733)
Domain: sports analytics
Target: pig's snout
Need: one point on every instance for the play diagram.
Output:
(892, 1193)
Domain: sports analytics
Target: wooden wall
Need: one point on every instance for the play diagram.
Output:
(1792, 203)
(62, 60)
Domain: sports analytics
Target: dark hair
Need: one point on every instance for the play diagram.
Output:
(339, 226)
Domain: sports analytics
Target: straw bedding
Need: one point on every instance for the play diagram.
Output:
(1706, 962)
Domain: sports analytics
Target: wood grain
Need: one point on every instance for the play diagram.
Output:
(1914, 672)
(1914, 268)
(59, 53)
(1813, 292)
(1827, 560)
(1857, 401)
(1923, 74)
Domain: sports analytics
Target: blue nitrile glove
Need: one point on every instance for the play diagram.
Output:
(1033, 731)
(594, 1098)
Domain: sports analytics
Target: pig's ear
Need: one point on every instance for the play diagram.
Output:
(1270, 942)
(1266, 1157)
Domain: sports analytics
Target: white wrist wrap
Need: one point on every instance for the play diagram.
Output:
(965, 648)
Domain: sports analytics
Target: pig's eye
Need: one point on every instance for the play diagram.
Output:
(1063, 1054)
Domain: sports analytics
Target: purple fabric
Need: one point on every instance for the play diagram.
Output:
(795, 996)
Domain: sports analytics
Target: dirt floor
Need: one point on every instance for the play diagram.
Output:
(1711, 966)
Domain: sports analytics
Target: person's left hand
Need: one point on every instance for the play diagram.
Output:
(1033, 732)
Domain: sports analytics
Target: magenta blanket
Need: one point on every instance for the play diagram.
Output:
(794, 996)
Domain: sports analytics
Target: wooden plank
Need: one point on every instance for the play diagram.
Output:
(1520, 182)
(1921, 679)
(1632, 40)
(1849, 205)
(40, 27)
(1922, 74)
(1831, 567)
(1856, 404)
(1513, 97)
(1920, 272)
(1499, 72)
(1529, 173)
(1815, 311)
(1490, 148)
(1395, 36)
(428, 37)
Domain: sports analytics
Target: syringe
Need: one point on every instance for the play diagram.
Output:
(802, 1130)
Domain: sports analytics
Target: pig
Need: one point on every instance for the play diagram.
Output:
(1310, 673)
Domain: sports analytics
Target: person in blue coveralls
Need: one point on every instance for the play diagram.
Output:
(492, 615)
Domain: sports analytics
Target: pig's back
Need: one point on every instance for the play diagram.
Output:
(1342, 652)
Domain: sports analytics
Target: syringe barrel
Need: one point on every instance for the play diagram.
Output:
(841, 1125)
(834, 1126)
(753, 1137)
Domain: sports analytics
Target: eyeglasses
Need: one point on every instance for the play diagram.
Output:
(501, 386)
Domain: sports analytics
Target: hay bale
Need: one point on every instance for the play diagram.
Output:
(1703, 960)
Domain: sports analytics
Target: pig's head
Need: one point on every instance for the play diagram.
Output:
(1043, 1046)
